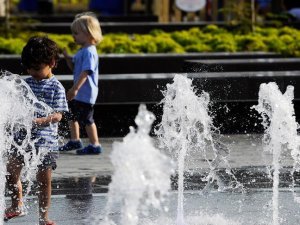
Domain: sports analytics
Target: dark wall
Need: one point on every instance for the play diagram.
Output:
(127, 81)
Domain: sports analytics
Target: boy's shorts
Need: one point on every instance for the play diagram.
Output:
(48, 161)
(81, 112)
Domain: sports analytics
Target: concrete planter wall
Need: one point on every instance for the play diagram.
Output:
(139, 63)
(128, 80)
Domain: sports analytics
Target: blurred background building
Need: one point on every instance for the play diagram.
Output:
(163, 10)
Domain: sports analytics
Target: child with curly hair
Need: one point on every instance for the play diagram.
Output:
(39, 57)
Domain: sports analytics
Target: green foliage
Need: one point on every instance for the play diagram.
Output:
(11, 46)
(274, 44)
(64, 42)
(200, 47)
(211, 38)
(222, 43)
(270, 31)
(121, 43)
(166, 44)
(214, 29)
(145, 43)
(251, 42)
(156, 32)
(184, 38)
(288, 31)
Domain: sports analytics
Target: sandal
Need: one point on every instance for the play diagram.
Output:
(10, 215)
(50, 222)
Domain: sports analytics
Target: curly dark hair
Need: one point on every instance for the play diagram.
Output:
(37, 51)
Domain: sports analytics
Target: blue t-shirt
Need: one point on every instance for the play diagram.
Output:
(51, 92)
(86, 59)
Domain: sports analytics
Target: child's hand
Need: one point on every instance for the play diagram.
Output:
(71, 94)
(68, 59)
(35, 121)
(43, 121)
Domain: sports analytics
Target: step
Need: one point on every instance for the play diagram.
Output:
(234, 65)
(139, 63)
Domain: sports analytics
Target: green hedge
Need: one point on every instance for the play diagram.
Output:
(211, 38)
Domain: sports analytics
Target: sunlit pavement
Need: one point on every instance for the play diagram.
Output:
(245, 151)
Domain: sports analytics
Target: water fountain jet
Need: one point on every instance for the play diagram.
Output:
(19, 107)
(141, 179)
(186, 126)
(278, 119)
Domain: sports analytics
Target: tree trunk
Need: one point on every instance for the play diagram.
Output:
(2, 8)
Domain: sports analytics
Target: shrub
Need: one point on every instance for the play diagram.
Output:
(200, 47)
(166, 44)
(145, 43)
(11, 46)
(222, 43)
(214, 29)
(65, 42)
(251, 43)
(211, 38)
(184, 38)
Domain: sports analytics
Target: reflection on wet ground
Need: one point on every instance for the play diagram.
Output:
(250, 177)
(65, 210)
(253, 207)
(80, 186)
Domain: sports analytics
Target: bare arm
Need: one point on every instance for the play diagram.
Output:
(74, 90)
(52, 118)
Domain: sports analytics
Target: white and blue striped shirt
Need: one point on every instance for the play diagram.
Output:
(51, 92)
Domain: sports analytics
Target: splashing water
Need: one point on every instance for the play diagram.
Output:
(186, 126)
(280, 134)
(142, 174)
(18, 109)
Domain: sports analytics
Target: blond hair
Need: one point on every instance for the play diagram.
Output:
(89, 24)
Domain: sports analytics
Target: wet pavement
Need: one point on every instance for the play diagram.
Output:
(92, 173)
(216, 208)
(245, 151)
(80, 184)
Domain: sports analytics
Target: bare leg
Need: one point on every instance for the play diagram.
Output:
(44, 183)
(74, 129)
(92, 133)
(14, 167)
